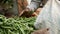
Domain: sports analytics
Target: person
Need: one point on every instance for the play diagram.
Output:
(49, 17)
(31, 5)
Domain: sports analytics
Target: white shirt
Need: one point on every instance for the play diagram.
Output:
(49, 17)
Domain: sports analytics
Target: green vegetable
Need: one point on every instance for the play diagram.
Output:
(16, 25)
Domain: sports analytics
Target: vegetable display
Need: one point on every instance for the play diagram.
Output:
(16, 25)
